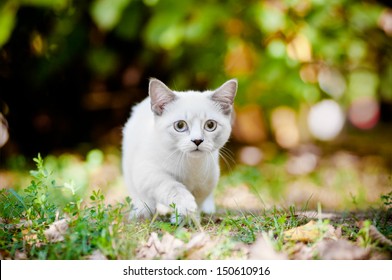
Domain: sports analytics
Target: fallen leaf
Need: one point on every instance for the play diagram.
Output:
(168, 248)
(199, 246)
(56, 231)
(310, 232)
(97, 255)
(24, 224)
(20, 255)
(341, 250)
(263, 249)
(338, 232)
(301, 251)
(197, 241)
(31, 238)
(378, 236)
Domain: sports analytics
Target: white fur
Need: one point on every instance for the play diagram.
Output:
(160, 164)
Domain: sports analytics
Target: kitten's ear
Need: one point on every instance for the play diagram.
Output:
(160, 96)
(224, 95)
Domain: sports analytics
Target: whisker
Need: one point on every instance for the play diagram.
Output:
(228, 152)
(227, 157)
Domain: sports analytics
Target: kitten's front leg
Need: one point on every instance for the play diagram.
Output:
(208, 205)
(172, 192)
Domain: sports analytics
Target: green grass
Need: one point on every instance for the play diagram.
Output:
(27, 215)
(94, 224)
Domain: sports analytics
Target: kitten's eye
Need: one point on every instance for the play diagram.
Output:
(180, 126)
(210, 125)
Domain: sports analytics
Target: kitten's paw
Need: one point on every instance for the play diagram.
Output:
(190, 219)
(184, 203)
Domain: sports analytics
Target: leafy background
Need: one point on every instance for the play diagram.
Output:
(70, 70)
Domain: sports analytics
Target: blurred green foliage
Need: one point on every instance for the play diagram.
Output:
(276, 49)
(284, 52)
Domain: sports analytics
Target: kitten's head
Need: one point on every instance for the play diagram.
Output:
(190, 121)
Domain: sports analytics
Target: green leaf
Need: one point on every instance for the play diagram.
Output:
(7, 21)
(165, 30)
(18, 197)
(131, 23)
(107, 13)
(269, 18)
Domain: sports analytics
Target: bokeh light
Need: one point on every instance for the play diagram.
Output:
(250, 155)
(285, 127)
(3, 131)
(326, 120)
(364, 112)
(332, 82)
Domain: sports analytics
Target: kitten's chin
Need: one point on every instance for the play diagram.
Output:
(196, 154)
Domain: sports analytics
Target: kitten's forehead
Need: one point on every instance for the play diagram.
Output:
(195, 104)
(194, 95)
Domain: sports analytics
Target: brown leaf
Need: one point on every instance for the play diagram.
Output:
(328, 249)
(20, 255)
(341, 250)
(199, 246)
(97, 255)
(301, 251)
(56, 231)
(378, 236)
(310, 232)
(30, 238)
(168, 248)
(263, 249)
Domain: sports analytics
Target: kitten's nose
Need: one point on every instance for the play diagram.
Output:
(197, 141)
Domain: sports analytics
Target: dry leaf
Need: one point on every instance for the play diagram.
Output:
(341, 250)
(20, 255)
(378, 236)
(171, 248)
(97, 255)
(31, 238)
(56, 231)
(328, 249)
(24, 224)
(338, 232)
(168, 248)
(310, 232)
(301, 251)
(197, 241)
(262, 249)
(199, 246)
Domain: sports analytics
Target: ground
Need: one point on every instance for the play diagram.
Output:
(306, 204)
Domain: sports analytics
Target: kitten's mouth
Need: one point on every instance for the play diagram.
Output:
(196, 152)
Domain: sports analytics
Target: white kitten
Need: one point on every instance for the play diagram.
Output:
(171, 148)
